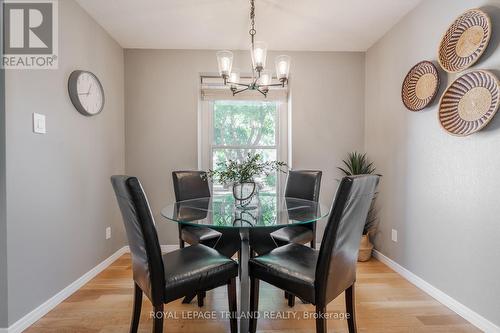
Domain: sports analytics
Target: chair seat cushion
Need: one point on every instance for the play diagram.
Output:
(292, 234)
(195, 235)
(195, 268)
(291, 267)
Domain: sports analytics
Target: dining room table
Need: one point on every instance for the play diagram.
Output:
(245, 229)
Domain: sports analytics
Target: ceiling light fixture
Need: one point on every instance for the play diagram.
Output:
(261, 78)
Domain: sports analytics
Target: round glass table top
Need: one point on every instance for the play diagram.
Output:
(266, 210)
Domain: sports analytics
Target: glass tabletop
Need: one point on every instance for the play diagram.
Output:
(266, 210)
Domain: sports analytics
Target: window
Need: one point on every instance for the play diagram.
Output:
(232, 129)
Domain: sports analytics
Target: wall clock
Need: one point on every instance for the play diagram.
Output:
(86, 92)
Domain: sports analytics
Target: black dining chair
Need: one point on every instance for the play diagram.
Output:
(167, 277)
(193, 185)
(300, 184)
(320, 276)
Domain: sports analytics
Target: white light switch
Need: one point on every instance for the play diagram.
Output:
(39, 123)
(394, 235)
(108, 232)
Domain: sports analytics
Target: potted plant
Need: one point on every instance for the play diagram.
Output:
(241, 175)
(358, 164)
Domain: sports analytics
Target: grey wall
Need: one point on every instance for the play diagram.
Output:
(3, 216)
(439, 191)
(59, 198)
(162, 87)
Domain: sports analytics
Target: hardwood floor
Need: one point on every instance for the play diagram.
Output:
(386, 303)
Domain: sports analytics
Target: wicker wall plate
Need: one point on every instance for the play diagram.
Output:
(465, 41)
(420, 86)
(469, 103)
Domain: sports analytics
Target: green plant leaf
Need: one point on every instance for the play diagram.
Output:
(232, 171)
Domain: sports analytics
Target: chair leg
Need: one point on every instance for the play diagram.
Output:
(158, 319)
(201, 297)
(188, 299)
(181, 241)
(313, 241)
(350, 305)
(136, 312)
(291, 300)
(254, 304)
(320, 320)
(233, 308)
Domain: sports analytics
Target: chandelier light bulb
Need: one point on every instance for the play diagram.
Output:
(259, 53)
(234, 78)
(265, 78)
(225, 62)
(282, 63)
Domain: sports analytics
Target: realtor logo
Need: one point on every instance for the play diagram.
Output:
(30, 39)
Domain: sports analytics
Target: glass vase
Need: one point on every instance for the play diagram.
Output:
(243, 194)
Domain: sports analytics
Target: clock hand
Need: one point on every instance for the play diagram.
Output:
(88, 92)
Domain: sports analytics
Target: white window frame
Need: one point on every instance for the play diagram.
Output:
(205, 134)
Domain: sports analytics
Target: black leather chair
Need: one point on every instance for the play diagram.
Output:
(320, 276)
(301, 184)
(193, 185)
(167, 277)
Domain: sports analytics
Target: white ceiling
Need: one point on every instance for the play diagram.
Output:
(312, 25)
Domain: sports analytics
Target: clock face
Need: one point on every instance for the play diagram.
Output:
(86, 92)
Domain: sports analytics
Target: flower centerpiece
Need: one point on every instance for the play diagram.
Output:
(242, 174)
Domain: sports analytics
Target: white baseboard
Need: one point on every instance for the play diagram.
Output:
(471, 316)
(44, 308)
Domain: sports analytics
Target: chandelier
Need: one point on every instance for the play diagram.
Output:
(261, 77)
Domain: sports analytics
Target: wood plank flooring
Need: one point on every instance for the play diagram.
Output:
(386, 303)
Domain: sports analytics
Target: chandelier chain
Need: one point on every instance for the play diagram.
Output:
(252, 20)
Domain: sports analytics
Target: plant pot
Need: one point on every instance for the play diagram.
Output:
(243, 193)
(365, 249)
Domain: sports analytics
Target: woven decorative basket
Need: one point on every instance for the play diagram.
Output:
(465, 41)
(365, 249)
(469, 103)
(420, 86)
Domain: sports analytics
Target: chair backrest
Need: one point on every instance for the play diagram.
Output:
(303, 184)
(147, 263)
(338, 255)
(190, 185)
